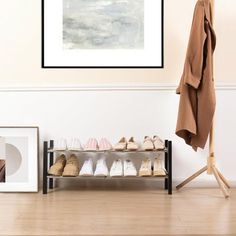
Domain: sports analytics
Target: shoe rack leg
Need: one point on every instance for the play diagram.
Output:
(45, 167)
(169, 167)
(166, 164)
(51, 160)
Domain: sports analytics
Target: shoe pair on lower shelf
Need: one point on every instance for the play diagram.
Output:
(70, 168)
(157, 169)
(101, 169)
(65, 167)
(119, 169)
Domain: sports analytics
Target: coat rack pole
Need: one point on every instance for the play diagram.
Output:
(211, 157)
(210, 168)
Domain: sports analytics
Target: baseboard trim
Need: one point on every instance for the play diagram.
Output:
(202, 183)
(108, 87)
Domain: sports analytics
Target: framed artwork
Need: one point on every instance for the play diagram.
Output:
(102, 33)
(19, 159)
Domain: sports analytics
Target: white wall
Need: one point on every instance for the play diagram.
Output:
(137, 112)
(114, 113)
(20, 47)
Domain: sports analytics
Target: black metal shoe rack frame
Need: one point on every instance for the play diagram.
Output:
(48, 160)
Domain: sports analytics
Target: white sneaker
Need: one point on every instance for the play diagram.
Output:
(129, 168)
(74, 144)
(101, 168)
(60, 144)
(116, 169)
(87, 168)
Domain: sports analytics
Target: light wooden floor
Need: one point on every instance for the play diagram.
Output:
(107, 211)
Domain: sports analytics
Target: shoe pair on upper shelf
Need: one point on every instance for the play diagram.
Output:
(65, 167)
(123, 144)
(149, 144)
(74, 144)
(154, 143)
(92, 145)
(158, 168)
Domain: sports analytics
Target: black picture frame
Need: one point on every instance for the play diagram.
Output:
(99, 67)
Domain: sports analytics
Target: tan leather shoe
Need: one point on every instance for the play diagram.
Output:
(159, 169)
(146, 168)
(72, 167)
(148, 144)
(158, 143)
(132, 145)
(57, 168)
(121, 145)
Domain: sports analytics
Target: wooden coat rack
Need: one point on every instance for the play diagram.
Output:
(210, 168)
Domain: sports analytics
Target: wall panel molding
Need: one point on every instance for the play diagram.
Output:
(106, 87)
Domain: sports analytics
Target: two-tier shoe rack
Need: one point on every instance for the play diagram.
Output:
(49, 155)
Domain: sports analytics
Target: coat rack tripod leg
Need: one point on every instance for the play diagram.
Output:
(211, 169)
(223, 178)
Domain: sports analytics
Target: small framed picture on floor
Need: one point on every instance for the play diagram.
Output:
(19, 149)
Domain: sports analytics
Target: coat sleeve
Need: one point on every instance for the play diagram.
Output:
(195, 54)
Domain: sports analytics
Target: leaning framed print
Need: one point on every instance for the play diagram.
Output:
(102, 33)
(19, 159)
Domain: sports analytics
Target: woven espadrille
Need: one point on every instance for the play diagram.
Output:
(57, 168)
(72, 167)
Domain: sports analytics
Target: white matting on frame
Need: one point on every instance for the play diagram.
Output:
(110, 35)
(19, 154)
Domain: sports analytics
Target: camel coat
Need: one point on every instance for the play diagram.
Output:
(196, 89)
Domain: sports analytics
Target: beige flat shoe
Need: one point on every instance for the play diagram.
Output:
(159, 169)
(132, 145)
(146, 168)
(72, 167)
(121, 145)
(57, 168)
(148, 144)
(158, 143)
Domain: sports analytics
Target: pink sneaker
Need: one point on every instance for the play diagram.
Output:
(104, 145)
(91, 145)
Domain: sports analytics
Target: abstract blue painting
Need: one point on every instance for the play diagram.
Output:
(103, 24)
